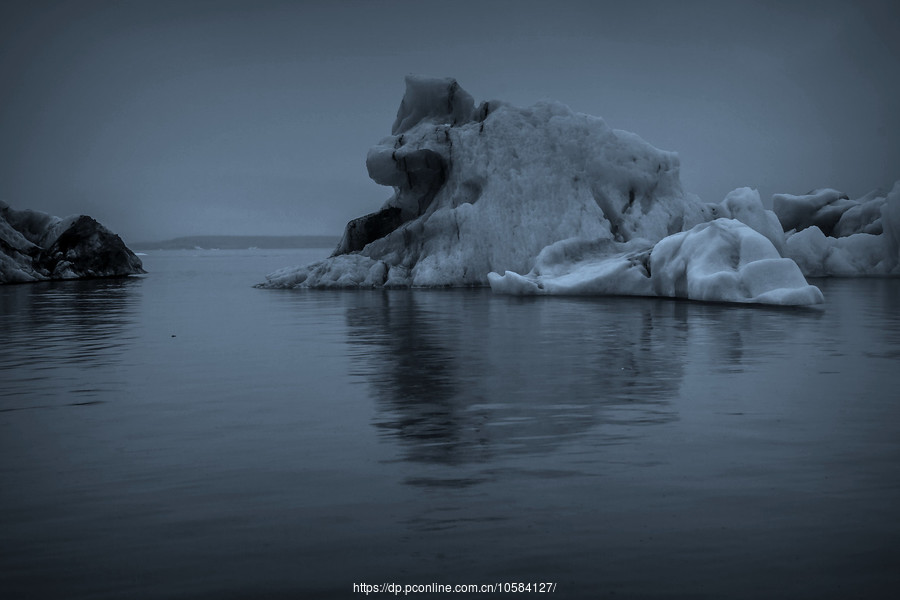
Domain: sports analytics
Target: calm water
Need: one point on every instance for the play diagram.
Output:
(183, 435)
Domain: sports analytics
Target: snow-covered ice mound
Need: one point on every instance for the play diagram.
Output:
(827, 233)
(722, 260)
(486, 189)
(35, 246)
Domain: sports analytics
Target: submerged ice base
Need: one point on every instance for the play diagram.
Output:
(559, 196)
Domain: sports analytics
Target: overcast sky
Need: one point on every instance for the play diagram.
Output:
(167, 118)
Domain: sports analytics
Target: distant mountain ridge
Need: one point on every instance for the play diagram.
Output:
(241, 242)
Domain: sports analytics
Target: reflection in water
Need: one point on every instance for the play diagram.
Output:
(55, 333)
(733, 338)
(461, 377)
(885, 293)
(634, 447)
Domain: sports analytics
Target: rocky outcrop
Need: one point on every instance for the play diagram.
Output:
(35, 246)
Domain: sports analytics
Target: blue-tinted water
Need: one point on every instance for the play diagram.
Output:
(184, 435)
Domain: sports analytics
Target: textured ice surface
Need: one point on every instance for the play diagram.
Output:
(745, 205)
(820, 208)
(559, 202)
(861, 240)
(722, 260)
(35, 246)
(486, 188)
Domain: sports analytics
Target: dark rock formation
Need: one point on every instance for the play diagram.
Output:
(359, 232)
(35, 246)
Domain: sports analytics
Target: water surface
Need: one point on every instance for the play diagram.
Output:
(184, 435)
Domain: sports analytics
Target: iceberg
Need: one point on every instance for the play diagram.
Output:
(577, 206)
(481, 189)
(828, 234)
(720, 261)
(35, 246)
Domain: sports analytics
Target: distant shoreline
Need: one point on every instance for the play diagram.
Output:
(240, 242)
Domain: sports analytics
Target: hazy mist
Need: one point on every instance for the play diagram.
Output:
(170, 118)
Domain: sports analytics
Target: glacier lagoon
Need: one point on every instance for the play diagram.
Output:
(184, 435)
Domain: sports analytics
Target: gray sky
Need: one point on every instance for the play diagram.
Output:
(166, 118)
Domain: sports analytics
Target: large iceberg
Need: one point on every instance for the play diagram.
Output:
(577, 206)
(35, 246)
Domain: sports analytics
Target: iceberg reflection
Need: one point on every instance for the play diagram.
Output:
(461, 377)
